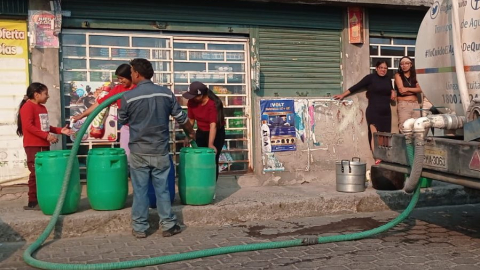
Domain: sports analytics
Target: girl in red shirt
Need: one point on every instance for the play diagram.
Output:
(124, 76)
(33, 125)
(207, 109)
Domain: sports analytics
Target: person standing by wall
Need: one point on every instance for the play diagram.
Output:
(123, 73)
(408, 91)
(207, 109)
(33, 125)
(379, 94)
(146, 109)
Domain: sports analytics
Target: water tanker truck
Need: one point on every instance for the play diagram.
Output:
(446, 143)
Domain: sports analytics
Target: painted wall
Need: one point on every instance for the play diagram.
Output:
(44, 68)
(329, 131)
(332, 130)
(15, 79)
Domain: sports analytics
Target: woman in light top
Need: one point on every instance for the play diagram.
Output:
(408, 91)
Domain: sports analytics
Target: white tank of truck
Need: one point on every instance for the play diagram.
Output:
(447, 54)
(447, 60)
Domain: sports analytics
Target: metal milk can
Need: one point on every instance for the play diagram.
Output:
(351, 175)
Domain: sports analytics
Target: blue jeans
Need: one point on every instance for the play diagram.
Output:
(142, 168)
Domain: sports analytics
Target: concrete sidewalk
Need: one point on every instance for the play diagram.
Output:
(234, 204)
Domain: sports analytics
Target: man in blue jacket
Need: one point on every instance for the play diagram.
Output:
(146, 109)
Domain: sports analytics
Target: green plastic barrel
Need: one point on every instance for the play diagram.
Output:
(197, 175)
(107, 179)
(425, 182)
(50, 169)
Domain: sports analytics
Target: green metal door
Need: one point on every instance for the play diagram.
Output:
(299, 62)
(200, 13)
(299, 48)
(392, 36)
(389, 22)
(13, 7)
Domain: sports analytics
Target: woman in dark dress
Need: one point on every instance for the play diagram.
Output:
(379, 93)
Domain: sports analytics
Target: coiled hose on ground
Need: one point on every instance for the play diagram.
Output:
(27, 255)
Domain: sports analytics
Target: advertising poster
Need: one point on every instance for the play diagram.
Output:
(15, 79)
(355, 25)
(42, 24)
(82, 96)
(14, 57)
(278, 125)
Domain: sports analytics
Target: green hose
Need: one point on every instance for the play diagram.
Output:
(27, 255)
(410, 153)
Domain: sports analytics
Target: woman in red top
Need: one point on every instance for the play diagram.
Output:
(124, 76)
(33, 125)
(207, 109)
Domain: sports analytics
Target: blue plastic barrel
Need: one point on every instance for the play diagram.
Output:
(171, 186)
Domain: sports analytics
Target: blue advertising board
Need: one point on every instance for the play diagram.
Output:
(278, 125)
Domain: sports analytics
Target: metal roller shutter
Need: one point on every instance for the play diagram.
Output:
(14, 7)
(298, 60)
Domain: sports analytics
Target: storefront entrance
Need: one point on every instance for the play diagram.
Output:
(89, 60)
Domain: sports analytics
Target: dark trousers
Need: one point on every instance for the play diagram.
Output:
(202, 141)
(31, 151)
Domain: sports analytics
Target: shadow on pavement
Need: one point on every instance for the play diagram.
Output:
(432, 204)
(389, 186)
(10, 241)
(226, 186)
(463, 219)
